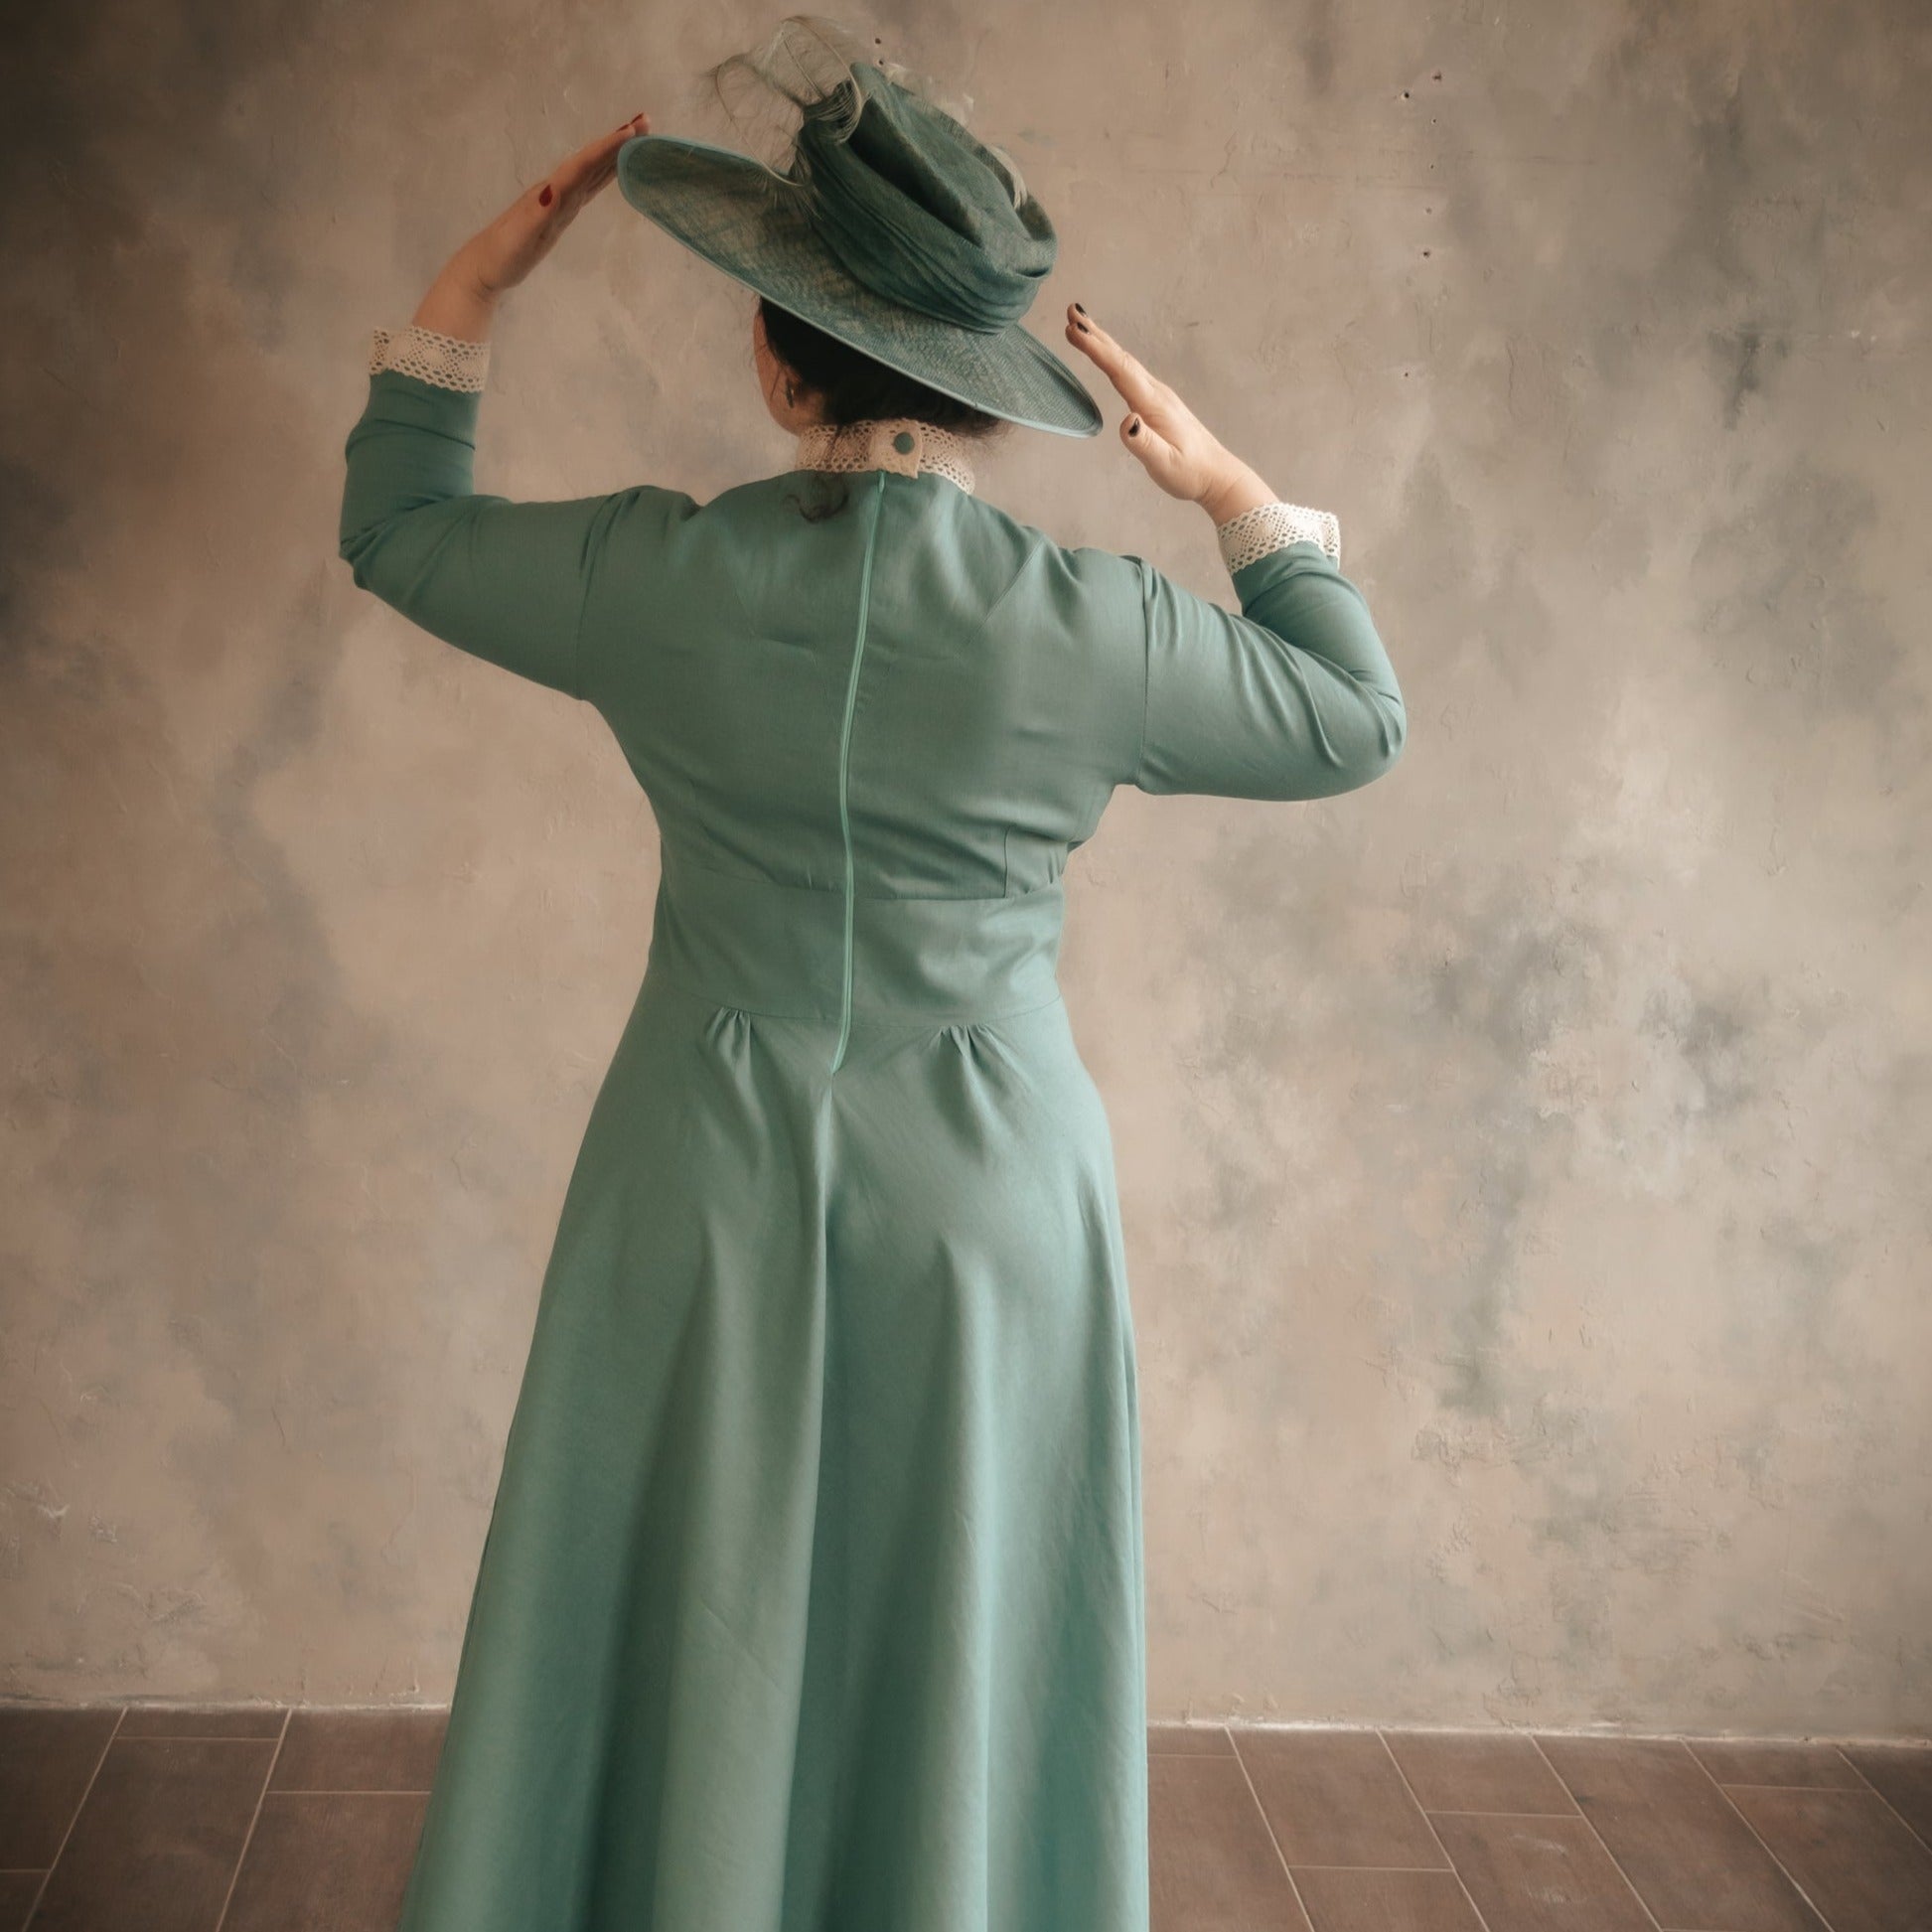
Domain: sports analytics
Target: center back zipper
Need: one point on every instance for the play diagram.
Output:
(845, 769)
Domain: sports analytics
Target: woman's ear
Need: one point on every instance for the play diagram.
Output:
(784, 391)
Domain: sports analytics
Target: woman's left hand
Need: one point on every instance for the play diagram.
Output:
(495, 258)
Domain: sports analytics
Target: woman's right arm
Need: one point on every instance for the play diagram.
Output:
(1292, 697)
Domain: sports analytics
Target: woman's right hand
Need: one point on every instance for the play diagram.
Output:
(1175, 448)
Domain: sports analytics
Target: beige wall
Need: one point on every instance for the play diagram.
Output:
(1525, 1161)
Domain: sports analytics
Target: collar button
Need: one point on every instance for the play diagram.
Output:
(903, 442)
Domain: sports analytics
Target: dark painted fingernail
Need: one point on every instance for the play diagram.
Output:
(545, 196)
(1083, 328)
(1134, 429)
(1078, 310)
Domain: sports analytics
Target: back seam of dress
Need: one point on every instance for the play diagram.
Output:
(844, 771)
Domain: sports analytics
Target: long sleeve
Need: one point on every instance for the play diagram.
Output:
(1292, 697)
(506, 581)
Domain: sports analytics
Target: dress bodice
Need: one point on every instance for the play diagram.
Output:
(872, 728)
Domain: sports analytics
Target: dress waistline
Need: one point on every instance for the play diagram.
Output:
(778, 948)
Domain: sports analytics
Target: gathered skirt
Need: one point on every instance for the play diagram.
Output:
(812, 1598)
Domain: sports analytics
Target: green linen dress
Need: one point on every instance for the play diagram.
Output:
(811, 1595)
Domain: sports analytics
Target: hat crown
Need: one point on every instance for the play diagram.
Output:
(918, 209)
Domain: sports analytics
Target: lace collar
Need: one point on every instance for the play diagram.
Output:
(900, 443)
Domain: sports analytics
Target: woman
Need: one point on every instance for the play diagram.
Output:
(811, 1595)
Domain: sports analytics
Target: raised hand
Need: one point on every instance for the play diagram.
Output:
(501, 255)
(1178, 451)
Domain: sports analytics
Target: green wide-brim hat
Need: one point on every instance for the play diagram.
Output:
(893, 230)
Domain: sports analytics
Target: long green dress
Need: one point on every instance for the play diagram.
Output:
(811, 1595)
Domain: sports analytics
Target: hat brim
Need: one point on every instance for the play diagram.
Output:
(747, 221)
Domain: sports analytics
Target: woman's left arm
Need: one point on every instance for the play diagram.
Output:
(506, 581)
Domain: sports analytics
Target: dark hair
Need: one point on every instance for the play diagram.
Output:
(852, 386)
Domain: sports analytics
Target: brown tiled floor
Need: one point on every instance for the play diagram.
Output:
(176, 1819)
(172, 1820)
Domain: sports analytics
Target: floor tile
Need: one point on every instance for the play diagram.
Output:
(1478, 1771)
(1190, 1740)
(203, 1720)
(1742, 1761)
(1540, 1874)
(1213, 1867)
(1385, 1901)
(47, 1756)
(18, 1890)
(1335, 1797)
(1862, 1869)
(361, 1750)
(1675, 1835)
(159, 1837)
(328, 1862)
(1902, 1774)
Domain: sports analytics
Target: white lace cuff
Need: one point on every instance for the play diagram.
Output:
(448, 361)
(1269, 526)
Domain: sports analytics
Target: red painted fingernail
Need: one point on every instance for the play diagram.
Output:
(545, 196)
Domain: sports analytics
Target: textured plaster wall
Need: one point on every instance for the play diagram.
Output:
(1525, 1161)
